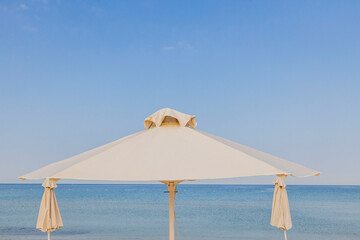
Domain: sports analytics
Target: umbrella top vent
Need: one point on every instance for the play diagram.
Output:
(168, 116)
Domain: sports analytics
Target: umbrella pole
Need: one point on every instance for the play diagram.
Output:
(171, 189)
(285, 234)
(48, 235)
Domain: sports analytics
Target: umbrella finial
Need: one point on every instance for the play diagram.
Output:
(168, 116)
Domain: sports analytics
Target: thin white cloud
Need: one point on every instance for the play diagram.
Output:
(23, 6)
(183, 44)
(178, 45)
(168, 48)
(29, 29)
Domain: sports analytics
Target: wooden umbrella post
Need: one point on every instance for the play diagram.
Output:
(171, 189)
(172, 193)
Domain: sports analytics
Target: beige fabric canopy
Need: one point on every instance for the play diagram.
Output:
(167, 151)
(170, 150)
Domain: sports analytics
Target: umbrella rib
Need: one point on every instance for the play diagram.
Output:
(207, 135)
(216, 138)
(116, 142)
(86, 159)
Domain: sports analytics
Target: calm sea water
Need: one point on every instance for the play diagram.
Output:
(204, 212)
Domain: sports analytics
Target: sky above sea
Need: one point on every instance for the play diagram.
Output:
(281, 76)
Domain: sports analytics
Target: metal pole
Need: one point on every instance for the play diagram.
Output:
(171, 189)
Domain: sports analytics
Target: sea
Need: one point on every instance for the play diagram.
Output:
(203, 212)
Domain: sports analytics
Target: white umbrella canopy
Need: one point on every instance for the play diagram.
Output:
(170, 150)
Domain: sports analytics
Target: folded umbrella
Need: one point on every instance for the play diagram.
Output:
(280, 215)
(49, 218)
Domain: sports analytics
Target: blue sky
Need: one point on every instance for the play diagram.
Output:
(279, 76)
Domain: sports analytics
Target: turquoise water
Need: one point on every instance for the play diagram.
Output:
(204, 212)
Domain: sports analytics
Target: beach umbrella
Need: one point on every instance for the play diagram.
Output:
(171, 151)
(280, 215)
(49, 218)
